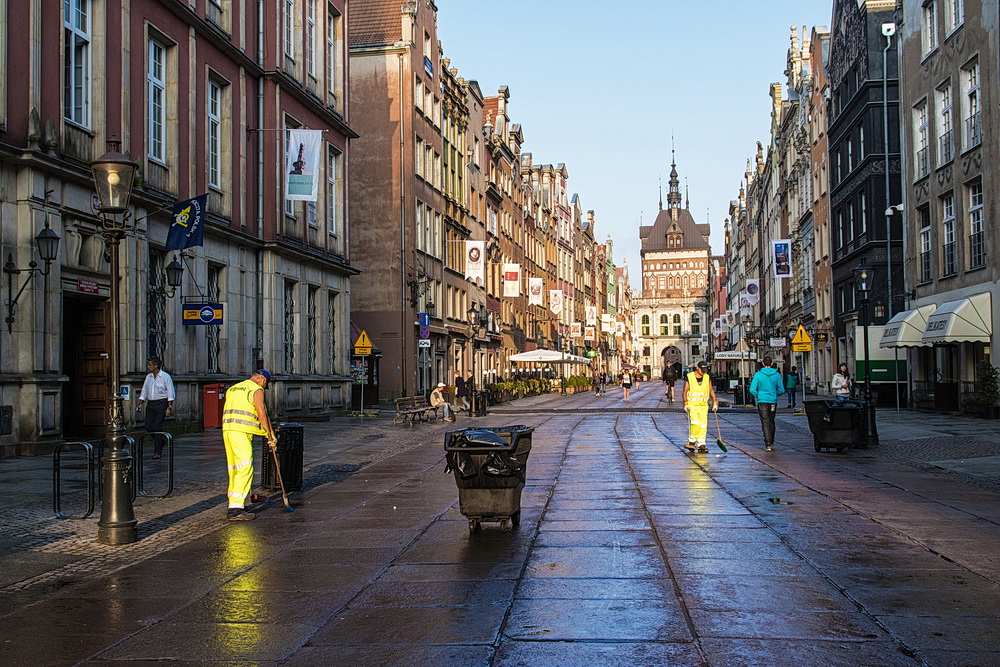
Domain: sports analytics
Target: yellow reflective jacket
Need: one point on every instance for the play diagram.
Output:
(698, 392)
(240, 414)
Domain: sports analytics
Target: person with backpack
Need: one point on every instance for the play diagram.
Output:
(669, 380)
(791, 382)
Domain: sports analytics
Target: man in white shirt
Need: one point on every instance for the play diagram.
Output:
(158, 392)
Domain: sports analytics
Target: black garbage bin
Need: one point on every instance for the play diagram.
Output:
(490, 466)
(289, 451)
(477, 400)
(742, 396)
(834, 424)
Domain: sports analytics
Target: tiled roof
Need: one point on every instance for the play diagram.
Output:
(374, 22)
(654, 237)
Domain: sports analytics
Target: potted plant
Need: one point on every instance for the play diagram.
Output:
(988, 388)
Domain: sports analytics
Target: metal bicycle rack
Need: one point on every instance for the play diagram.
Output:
(57, 478)
(138, 458)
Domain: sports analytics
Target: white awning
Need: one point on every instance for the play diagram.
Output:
(549, 357)
(961, 321)
(906, 329)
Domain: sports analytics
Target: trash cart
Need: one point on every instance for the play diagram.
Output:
(834, 424)
(489, 466)
(289, 451)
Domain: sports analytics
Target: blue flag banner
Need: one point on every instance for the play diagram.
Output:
(188, 226)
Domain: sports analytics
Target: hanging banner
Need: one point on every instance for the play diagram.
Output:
(512, 280)
(717, 326)
(781, 257)
(188, 226)
(591, 316)
(731, 319)
(752, 291)
(555, 301)
(590, 333)
(575, 330)
(535, 291)
(745, 307)
(620, 328)
(474, 264)
(607, 323)
(302, 164)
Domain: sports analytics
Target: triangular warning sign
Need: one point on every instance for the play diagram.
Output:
(363, 340)
(801, 336)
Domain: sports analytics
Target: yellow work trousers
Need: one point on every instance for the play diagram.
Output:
(698, 417)
(239, 459)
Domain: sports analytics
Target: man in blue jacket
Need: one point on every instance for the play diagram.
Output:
(766, 387)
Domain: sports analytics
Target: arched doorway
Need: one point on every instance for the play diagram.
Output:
(671, 356)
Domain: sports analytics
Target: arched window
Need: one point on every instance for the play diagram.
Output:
(696, 324)
(663, 319)
(677, 319)
(686, 281)
(645, 319)
(677, 325)
(670, 282)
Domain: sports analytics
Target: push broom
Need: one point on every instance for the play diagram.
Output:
(277, 469)
(718, 430)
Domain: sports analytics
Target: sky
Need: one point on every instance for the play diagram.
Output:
(607, 90)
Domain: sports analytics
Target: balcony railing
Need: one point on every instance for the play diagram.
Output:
(973, 131)
(947, 149)
(977, 251)
(923, 165)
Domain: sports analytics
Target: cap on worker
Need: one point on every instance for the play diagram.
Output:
(263, 373)
(703, 364)
(441, 384)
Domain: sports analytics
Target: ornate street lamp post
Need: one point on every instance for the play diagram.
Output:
(478, 319)
(113, 174)
(863, 283)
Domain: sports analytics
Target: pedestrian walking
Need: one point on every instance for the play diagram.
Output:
(626, 384)
(462, 391)
(698, 392)
(437, 400)
(244, 416)
(766, 387)
(791, 382)
(156, 401)
(841, 383)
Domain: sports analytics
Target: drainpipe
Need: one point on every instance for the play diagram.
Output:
(259, 301)
(402, 231)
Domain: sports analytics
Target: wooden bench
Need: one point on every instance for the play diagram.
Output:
(411, 409)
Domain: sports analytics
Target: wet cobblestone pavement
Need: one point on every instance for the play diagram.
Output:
(629, 551)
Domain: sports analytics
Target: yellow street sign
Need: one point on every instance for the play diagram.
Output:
(801, 336)
(802, 347)
(363, 346)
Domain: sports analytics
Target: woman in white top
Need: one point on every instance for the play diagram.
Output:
(841, 382)
(626, 384)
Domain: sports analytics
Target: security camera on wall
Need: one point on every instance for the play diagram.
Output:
(888, 29)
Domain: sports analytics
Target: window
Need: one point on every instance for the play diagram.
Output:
(949, 263)
(977, 246)
(214, 134)
(289, 326)
(289, 203)
(925, 244)
(930, 27)
(156, 306)
(311, 37)
(334, 193)
(863, 215)
(334, 68)
(212, 342)
(664, 325)
(289, 21)
(331, 332)
(973, 131)
(156, 100)
(677, 325)
(920, 139)
(311, 325)
(946, 148)
(695, 324)
(953, 15)
(76, 61)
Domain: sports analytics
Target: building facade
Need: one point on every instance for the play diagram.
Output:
(181, 89)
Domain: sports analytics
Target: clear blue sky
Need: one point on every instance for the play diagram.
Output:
(602, 88)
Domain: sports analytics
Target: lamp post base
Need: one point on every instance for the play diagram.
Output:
(869, 428)
(118, 522)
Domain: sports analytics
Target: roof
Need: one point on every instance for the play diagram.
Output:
(654, 237)
(374, 22)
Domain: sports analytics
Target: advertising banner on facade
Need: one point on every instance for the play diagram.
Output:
(591, 316)
(188, 226)
(731, 318)
(781, 257)
(575, 330)
(555, 301)
(512, 280)
(535, 291)
(620, 328)
(590, 333)
(302, 164)
(717, 326)
(607, 323)
(474, 264)
(752, 291)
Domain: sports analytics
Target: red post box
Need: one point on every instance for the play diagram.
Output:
(214, 399)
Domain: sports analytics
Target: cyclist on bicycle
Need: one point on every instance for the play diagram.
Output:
(669, 378)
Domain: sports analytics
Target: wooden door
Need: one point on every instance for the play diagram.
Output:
(85, 362)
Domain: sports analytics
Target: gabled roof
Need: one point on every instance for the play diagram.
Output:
(654, 237)
(374, 22)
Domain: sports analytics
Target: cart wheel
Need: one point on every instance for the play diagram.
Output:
(507, 525)
(473, 525)
(818, 448)
(515, 518)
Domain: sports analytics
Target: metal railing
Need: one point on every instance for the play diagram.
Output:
(977, 250)
(139, 486)
(57, 478)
